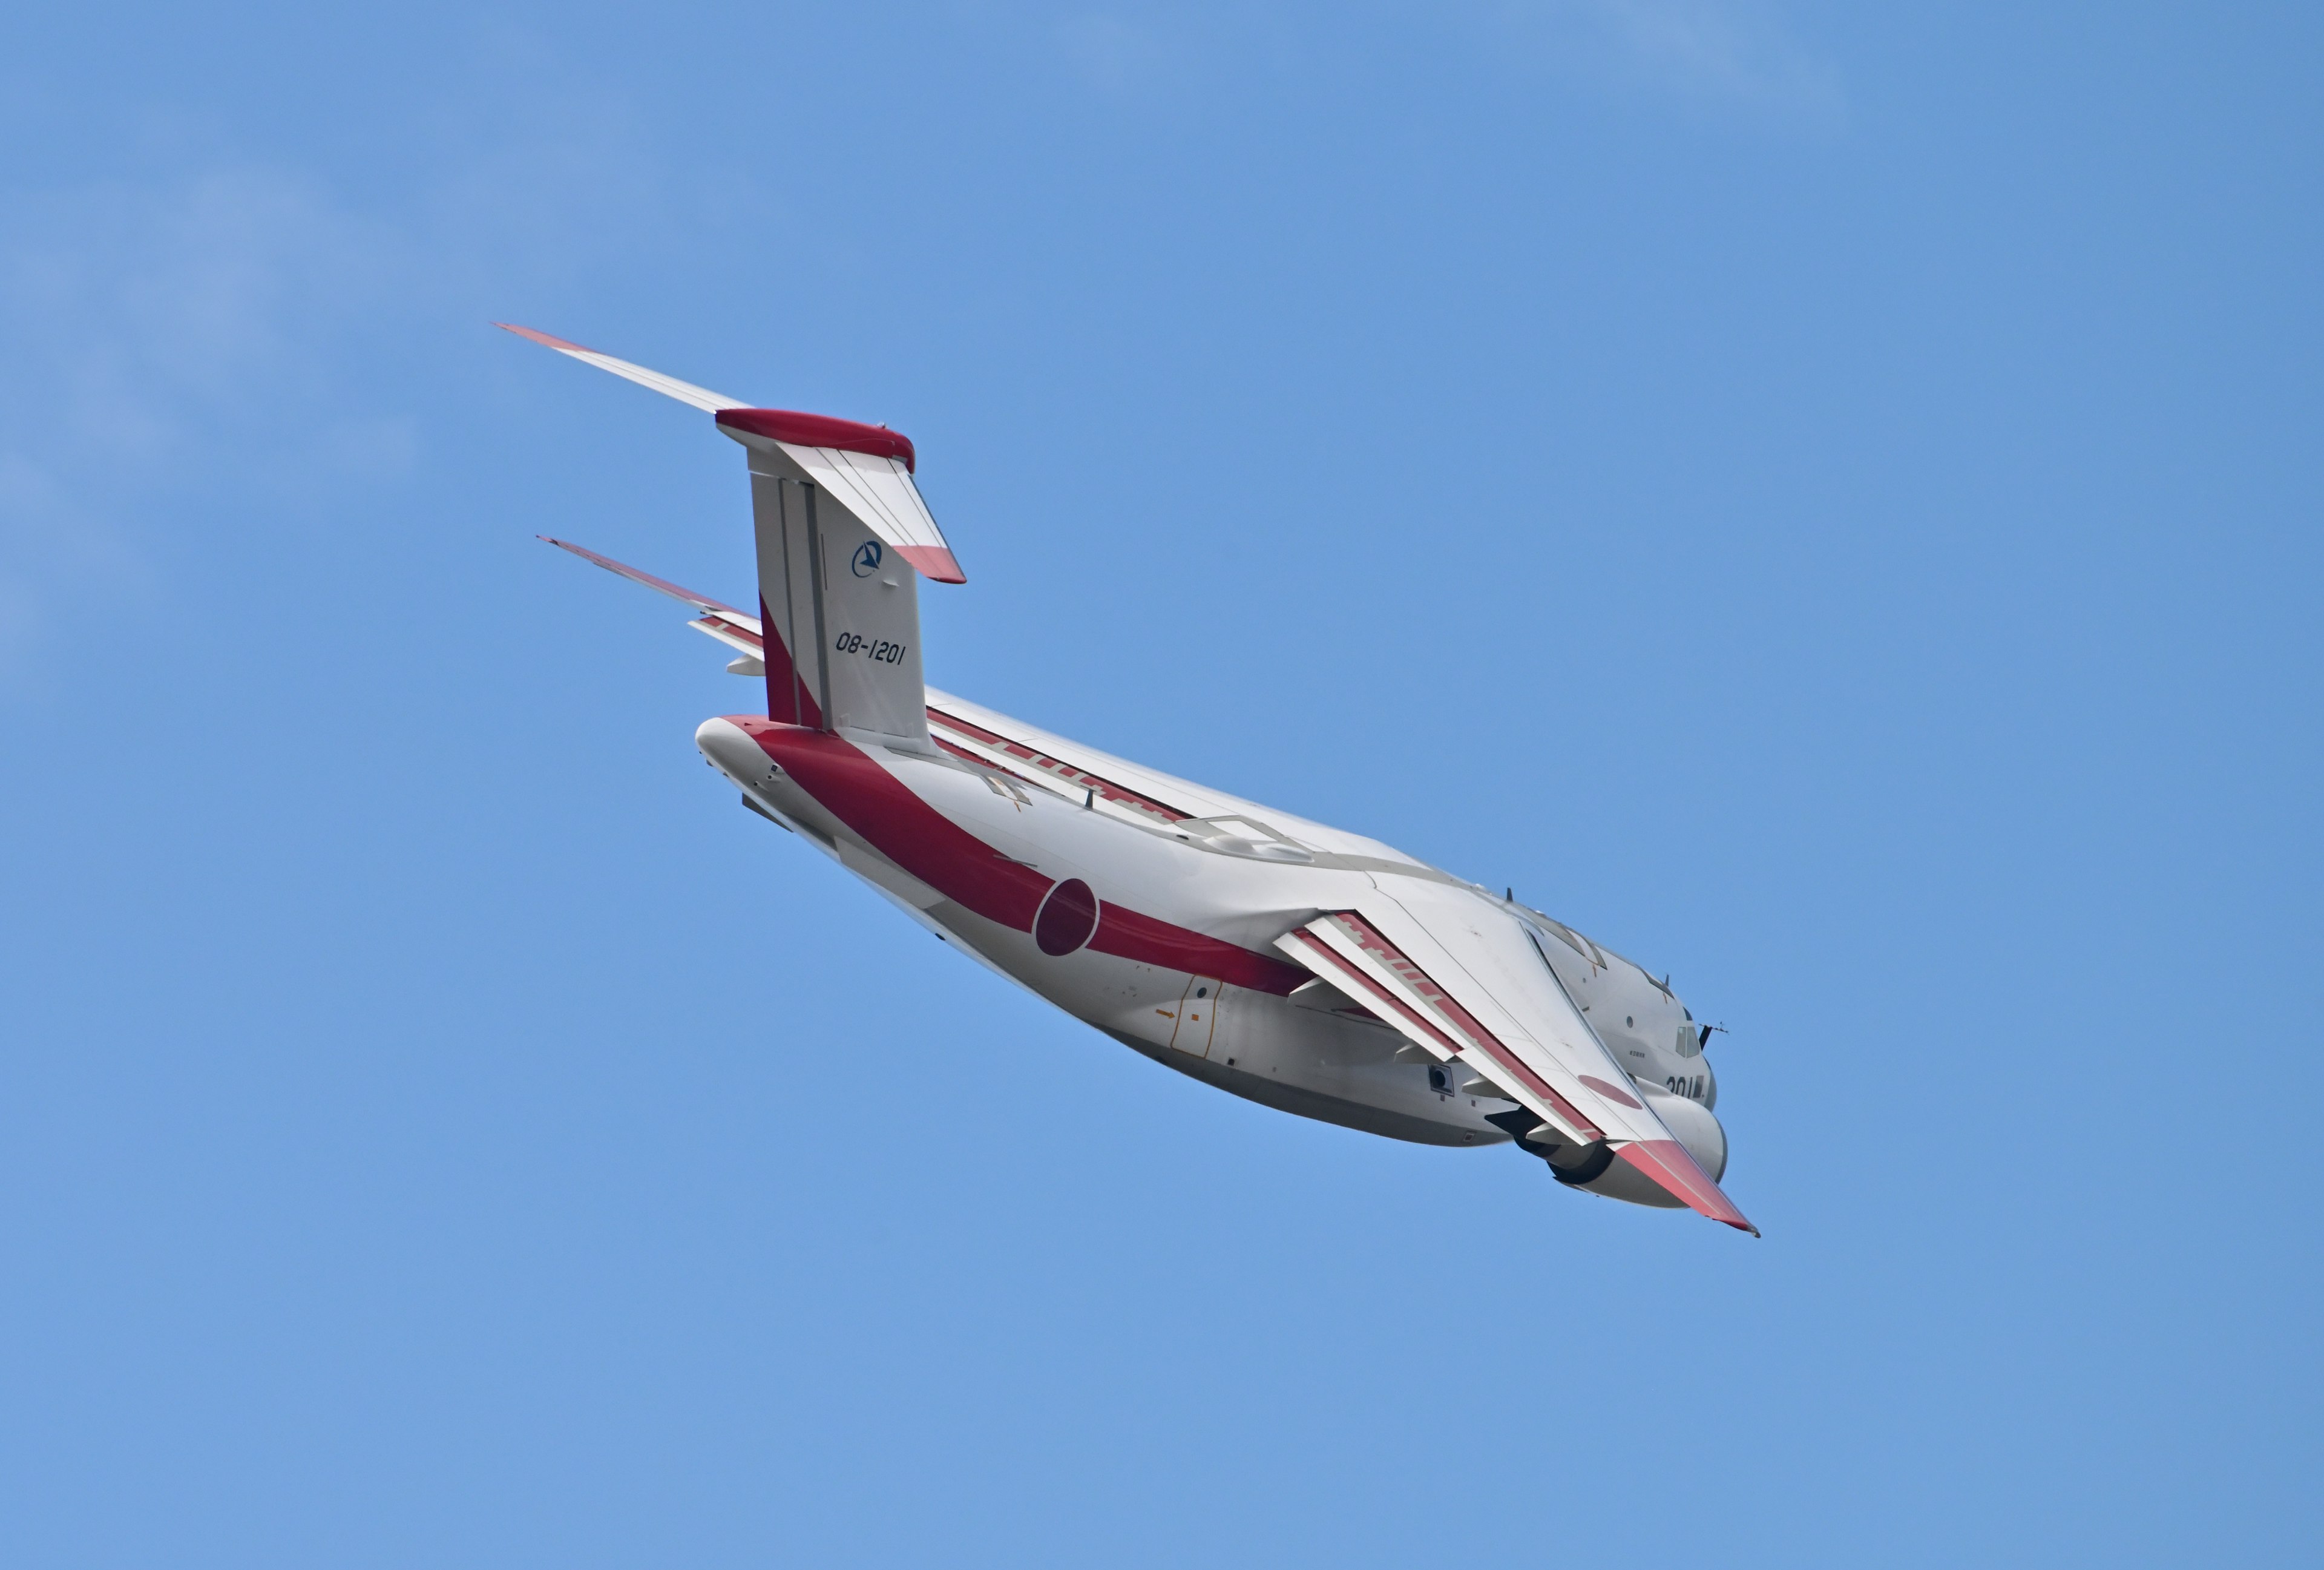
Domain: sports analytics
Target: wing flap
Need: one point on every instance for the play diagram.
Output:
(1477, 953)
(1461, 976)
(1344, 948)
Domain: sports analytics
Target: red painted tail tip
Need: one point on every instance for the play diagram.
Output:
(538, 336)
(933, 561)
(1670, 1167)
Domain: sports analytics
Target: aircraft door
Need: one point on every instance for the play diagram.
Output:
(1198, 1016)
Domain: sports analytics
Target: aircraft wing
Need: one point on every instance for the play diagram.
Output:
(1464, 978)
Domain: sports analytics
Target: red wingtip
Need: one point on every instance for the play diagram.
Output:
(1673, 1169)
(538, 336)
(933, 561)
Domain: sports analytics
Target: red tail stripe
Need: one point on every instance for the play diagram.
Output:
(789, 702)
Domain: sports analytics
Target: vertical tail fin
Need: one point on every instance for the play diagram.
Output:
(841, 608)
(844, 538)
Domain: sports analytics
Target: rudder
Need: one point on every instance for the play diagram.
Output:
(841, 609)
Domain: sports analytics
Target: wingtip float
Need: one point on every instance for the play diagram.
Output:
(1180, 920)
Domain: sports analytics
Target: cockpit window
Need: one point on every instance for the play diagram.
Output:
(1570, 937)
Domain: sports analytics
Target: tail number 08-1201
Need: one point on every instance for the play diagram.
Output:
(879, 649)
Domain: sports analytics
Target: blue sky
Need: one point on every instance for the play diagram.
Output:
(1824, 499)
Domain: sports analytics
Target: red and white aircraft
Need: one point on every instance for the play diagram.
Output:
(1300, 966)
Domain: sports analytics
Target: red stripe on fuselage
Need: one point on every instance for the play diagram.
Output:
(900, 825)
(855, 789)
(1128, 935)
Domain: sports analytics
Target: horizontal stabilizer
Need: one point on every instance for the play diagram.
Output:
(661, 584)
(867, 469)
(738, 630)
(702, 398)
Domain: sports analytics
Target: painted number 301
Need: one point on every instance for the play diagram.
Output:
(881, 649)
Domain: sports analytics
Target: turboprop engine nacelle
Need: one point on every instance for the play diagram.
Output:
(1700, 1132)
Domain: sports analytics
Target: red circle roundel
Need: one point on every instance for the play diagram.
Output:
(1068, 918)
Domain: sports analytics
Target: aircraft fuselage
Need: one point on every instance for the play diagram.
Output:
(1171, 952)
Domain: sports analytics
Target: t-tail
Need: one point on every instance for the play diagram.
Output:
(843, 540)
